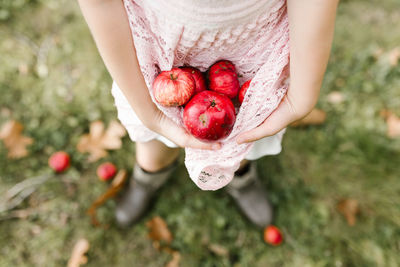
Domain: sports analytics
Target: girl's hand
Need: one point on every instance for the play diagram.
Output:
(292, 108)
(164, 126)
(311, 27)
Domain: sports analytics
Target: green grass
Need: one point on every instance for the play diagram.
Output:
(347, 157)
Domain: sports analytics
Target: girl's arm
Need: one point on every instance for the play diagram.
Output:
(109, 26)
(311, 25)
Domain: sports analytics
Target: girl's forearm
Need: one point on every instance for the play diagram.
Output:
(109, 26)
(311, 34)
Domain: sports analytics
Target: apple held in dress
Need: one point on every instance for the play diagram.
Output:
(222, 78)
(198, 77)
(243, 90)
(173, 88)
(209, 116)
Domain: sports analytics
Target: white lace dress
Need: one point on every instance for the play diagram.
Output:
(253, 34)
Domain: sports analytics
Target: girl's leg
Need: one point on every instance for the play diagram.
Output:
(154, 155)
(243, 168)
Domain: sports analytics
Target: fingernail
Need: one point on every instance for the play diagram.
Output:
(239, 141)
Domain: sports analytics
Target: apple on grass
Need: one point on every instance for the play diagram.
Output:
(272, 235)
(59, 161)
(106, 171)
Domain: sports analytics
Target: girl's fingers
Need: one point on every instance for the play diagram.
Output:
(182, 138)
(278, 120)
(197, 144)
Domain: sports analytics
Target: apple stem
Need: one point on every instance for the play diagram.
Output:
(172, 77)
(213, 103)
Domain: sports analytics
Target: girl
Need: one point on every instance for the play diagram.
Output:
(138, 38)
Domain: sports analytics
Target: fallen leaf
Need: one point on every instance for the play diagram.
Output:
(23, 68)
(158, 231)
(176, 258)
(99, 140)
(393, 123)
(315, 117)
(18, 214)
(78, 253)
(218, 250)
(394, 56)
(14, 141)
(114, 188)
(42, 70)
(5, 112)
(377, 53)
(340, 82)
(36, 229)
(335, 97)
(349, 208)
(162, 238)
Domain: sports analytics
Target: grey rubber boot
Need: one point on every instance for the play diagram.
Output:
(142, 188)
(250, 196)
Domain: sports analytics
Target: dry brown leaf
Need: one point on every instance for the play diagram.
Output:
(23, 68)
(218, 250)
(5, 112)
(393, 123)
(158, 231)
(99, 140)
(349, 208)
(14, 141)
(114, 188)
(394, 56)
(78, 253)
(176, 258)
(315, 117)
(335, 97)
(377, 53)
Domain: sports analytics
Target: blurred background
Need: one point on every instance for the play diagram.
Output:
(335, 187)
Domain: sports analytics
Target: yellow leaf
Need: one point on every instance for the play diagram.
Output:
(393, 123)
(158, 230)
(394, 56)
(14, 141)
(335, 97)
(78, 253)
(349, 209)
(176, 258)
(113, 190)
(98, 140)
(218, 250)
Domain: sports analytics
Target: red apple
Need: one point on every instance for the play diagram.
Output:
(59, 161)
(173, 88)
(209, 116)
(222, 78)
(106, 171)
(243, 90)
(198, 78)
(224, 65)
(272, 235)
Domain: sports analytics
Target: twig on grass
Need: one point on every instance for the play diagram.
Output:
(115, 187)
(19, 192)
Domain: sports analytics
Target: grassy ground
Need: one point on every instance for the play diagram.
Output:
(53, 81)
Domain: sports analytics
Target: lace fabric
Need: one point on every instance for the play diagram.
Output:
(253, 34)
